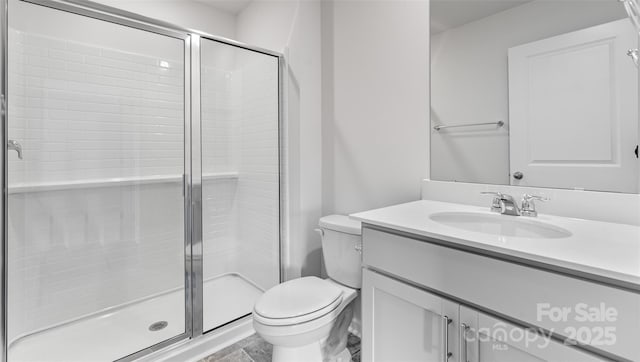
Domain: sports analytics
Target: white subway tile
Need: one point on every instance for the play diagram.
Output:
(66, 56)
(83, 49)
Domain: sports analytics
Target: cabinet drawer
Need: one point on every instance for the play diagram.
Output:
(535, 297)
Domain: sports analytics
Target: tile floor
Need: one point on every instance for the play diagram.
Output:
(256, 349)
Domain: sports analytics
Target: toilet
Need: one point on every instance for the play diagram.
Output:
(307, 319)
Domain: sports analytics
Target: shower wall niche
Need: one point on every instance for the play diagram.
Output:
(101, 227)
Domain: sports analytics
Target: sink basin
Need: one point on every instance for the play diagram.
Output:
(497, 224)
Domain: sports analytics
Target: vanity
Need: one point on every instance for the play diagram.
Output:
(531, 97)
(517, 105)
(451, 282)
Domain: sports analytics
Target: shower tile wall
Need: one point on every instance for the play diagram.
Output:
(258, 192)
(92, 112)
(85, 114)
(81, 249)
(220, 119)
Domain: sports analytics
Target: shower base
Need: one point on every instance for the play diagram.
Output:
(124, 330)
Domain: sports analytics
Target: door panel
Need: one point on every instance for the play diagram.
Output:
(574, 110)
(240, 179)
(96, 246)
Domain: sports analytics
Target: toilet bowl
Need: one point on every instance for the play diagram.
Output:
(307, 319)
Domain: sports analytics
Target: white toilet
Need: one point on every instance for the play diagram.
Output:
(307, 319)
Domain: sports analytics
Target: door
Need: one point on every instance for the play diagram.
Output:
(404, 323)
(573, 110)
(240, 179)
(96, 205)
(489, 339)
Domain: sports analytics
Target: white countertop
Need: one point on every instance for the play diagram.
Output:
(597, 248)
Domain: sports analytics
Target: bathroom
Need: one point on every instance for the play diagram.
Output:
(320, 180)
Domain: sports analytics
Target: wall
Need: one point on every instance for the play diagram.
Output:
(375, 103)
(185, 13)
(470, 83)
(293, 27)
(267, 24)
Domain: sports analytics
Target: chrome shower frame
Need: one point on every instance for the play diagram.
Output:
(4, 66)
(193, 273)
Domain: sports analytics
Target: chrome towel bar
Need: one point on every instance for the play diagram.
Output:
(439, 127)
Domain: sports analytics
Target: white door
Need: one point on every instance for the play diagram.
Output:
(494, 340)
(573, 110)
(402, 323)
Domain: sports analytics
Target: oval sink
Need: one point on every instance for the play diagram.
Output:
(497, 224)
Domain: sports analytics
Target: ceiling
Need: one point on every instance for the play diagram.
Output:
(447, 14)
(229, 6)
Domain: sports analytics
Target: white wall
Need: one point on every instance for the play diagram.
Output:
(375, 103)
(293, 27)
(267, 24)
(470, 83)
(185, 13)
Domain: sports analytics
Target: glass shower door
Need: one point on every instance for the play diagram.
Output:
(96, 225)
(240, 179)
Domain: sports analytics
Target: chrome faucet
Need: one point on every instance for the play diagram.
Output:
(528, 205)
(504, 204)
(15, 146)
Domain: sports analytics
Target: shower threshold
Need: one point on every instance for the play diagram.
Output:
(121, 331)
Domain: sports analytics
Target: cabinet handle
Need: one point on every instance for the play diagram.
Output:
(463, 342)
(445, 337)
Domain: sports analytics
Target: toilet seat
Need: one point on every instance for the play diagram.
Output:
(297, 301)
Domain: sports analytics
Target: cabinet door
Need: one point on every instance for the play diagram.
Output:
(402, 323)
(494, 340)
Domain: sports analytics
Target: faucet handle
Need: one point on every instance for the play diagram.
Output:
(15, 146)
(495, 204)
(492, 193)
(534, 197)
(529, 206)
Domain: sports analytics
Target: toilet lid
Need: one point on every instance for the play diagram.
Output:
(301, 299)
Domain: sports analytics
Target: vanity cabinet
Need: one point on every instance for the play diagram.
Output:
(411, 284)
(402, 322)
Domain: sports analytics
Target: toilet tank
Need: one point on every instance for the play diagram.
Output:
(342, 249)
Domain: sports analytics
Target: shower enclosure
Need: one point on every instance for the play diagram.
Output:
(141, 181)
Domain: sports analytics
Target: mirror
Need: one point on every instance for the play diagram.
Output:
(534, 93)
